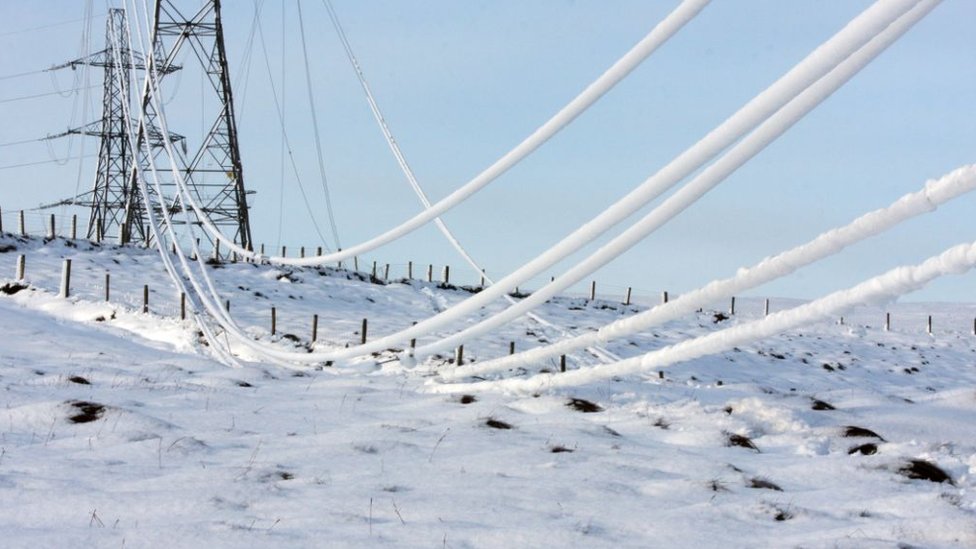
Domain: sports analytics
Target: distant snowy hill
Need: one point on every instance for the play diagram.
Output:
(118, 428)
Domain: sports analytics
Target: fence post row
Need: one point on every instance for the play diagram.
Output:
(447, 274)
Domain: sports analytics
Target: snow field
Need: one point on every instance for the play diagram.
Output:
(188, 452)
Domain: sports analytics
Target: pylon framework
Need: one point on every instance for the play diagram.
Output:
(110, 192)
(213, 172)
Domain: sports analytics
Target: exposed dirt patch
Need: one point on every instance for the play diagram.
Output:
(923, 470)
(497, 424)
(12, 288)
(820, 405)
(853, 431)
(85, 412)
(585, 406)
(741, 441)
(764, 484)
(868, 449)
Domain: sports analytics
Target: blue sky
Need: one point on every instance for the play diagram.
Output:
(462, 82)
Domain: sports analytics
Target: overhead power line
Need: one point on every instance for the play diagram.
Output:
(45, 94)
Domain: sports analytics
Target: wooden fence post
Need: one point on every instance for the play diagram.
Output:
(664, 297)
(374, 269)
(74, 226)
(145, 298)
(362, 338)
(283, 250)
(459, 356)
(355, 263)
(386, 272)
(732, 306)
(627, 300)
(21, 266)
(66, 278)
(766, 308)
(409, 270)
(562, 363)
(20, 221)
(430, 273)
(887, 326)
(274, 321)
(262, 249)
(108, 280)
(315, 328)
(592, 290)
(511, 347)
(98, 232)
(928, 327)
(482, 278)
(301, 252)
(1, 221)
(227, 305)
(182, 305)
(51, 233)
(447, 274)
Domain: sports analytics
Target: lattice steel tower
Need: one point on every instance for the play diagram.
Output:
(213, 172)
(110, 192)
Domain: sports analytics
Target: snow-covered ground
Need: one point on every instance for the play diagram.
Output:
(117, 429)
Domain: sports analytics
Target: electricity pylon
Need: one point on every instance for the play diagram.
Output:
(213, 172)
(110, 192)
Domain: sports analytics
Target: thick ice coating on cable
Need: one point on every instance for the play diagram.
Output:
(855, 34)
(894, 283)
(934, 194)
(660, 34)
(738, 155)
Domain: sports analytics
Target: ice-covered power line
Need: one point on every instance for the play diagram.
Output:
(667, 28)
(934, 194)
(411, 178)
(886, 287)
(862, 29)
(735, 157)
